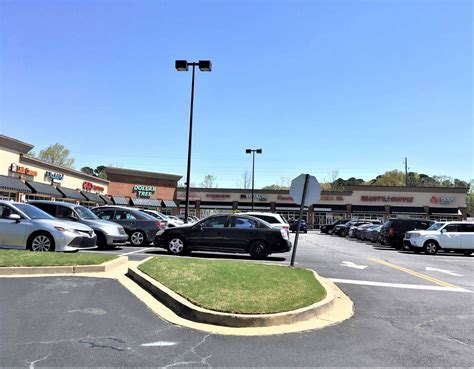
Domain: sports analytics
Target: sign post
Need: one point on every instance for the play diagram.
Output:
(306, 190)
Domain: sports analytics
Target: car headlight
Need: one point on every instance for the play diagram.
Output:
(415, 234)
(62, 229)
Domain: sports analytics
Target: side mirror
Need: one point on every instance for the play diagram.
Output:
(443, 230)
(15, 217)
(72, 217)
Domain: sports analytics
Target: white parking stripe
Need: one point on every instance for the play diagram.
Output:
(137, 251)
(399, 285)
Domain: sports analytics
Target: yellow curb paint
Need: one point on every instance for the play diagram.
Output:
(415, 274)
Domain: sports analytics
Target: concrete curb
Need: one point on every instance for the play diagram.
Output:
(186, 310)
(104, 267)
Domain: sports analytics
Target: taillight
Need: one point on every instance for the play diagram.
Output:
(161, 224)
(285, 226)
(284, 234)
(391, 232)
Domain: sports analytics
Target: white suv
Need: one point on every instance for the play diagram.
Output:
(442, 235)
(274, 219)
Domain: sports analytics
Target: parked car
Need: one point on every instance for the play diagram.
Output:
(447, 236)
(168, 221)
(274, 219)
(26, 226)
(343, 229)
(190, 219)
(372, 234)
(393, 230)
(235, 233)
(328, 228)
(360, 230)
(354, 230)
(303, 226)
(108, 234)
(141, 228)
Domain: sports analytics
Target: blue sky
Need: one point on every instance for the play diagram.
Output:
(319, 85)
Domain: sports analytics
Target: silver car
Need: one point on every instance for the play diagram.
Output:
(26, 226)
(109, 234)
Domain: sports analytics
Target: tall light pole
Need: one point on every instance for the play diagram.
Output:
(253, 151)
(182, 66)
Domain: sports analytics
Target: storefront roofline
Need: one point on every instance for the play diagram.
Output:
(15, 145)
(257, 191)
(408, 189)
(58, 168)
(141, 173)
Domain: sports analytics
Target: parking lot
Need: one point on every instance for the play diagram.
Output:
(410, 310)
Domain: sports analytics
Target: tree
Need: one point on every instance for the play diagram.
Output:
(245, 181)
(97, 172)
(57, 154)
(209, 182)
(88, 170)
(275, 187)
(389, 178)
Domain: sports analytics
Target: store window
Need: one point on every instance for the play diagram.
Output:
(7, 196)
(37, 197)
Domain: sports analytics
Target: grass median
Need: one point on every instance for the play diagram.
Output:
(24, 258)
(236, 286)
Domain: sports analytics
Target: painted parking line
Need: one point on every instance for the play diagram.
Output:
(137, 251)
(415, 274)
(399, 285)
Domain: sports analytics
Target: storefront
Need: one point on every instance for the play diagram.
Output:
(357, 202)
(24, 178)
(147, 190)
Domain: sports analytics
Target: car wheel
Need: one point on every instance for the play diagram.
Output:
(102, 241)
(467, 253)
(41, 242)
(137, 238)
(431, 247)
(176, 246)
(258, 250)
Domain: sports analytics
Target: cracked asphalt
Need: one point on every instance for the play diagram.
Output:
(92, 322)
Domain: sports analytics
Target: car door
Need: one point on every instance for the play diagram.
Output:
(240, 231)
(450, 236)
(12, 233)
(467, 237)
(126, 219)
(209, 234)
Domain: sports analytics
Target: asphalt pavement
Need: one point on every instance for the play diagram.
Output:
(410, 310)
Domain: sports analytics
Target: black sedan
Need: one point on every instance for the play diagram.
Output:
(328, 228)
(235, 233)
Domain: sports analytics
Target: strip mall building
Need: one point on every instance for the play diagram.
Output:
(23, 178)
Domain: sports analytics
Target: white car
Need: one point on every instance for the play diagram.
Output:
(26, 226)
(447, 236)
(170, 222)
(276, 220)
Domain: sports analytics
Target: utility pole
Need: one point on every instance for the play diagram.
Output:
(406, 172)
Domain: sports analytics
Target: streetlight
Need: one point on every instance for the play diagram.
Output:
(253, 151)
(182, 66)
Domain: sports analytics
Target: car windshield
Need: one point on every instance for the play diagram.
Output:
(33, 212)
(436, 226)
(85, 213)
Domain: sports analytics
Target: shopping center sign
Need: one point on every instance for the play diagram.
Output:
(443, 200)
(22, 170)
(89, 186)
(54, 176)
(386, 198)
(144, 191)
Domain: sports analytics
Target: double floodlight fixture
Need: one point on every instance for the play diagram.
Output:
(249, 151)
(183, 65)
